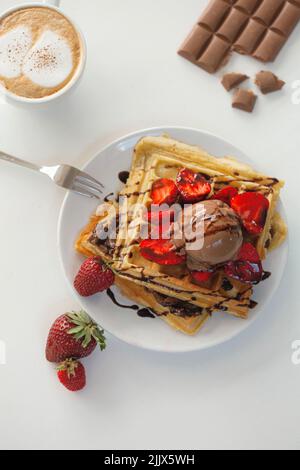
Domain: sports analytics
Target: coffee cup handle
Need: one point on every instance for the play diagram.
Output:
(54, 3)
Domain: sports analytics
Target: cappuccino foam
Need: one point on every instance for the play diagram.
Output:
(13, 49)
(49, 62)
(40, 51)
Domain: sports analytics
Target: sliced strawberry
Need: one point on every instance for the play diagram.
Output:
(161, 231)
(164, 191)
(248, 267)
(160, 221)
(253, 210)
(156, 216)
(244, 271)
(201, 277)
(226, 194)
(192, 186)
(161, 252)
(248, 252)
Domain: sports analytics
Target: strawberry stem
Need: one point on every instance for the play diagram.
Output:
(85, 329)
(70, 366)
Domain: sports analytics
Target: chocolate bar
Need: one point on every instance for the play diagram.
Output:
(258, 28)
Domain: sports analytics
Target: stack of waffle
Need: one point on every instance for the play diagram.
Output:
(169, 291)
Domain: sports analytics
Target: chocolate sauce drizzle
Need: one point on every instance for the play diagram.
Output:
(108, 197)
(266, 275)
(253, 304)
(112, 297)
(227, 286)
(145, 313)
(141, 312)
(123, 176)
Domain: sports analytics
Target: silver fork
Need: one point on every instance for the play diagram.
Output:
(65, 176)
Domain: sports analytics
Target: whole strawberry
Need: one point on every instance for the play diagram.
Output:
(73, 335)
(93, 277)
(72, 375)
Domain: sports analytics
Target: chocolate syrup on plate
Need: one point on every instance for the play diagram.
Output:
(123, 176)
(266, 275)
(112, 297)
(142, 312)
(145, 313)
(108, 197)
(253, 304)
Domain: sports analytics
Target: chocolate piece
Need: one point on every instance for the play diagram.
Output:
(270, 47)
(248, 6)
(232, 80)
(268, 82)
(214, 15)
(195, 44)
(215, 55)
(233, 25)
(259, 28)
(287, 19)
(244, 100)
(268, 11)
(250, 38)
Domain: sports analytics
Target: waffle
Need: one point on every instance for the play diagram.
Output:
(162, 157)
(135, 292)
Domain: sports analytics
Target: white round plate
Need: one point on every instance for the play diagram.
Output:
(153, 334)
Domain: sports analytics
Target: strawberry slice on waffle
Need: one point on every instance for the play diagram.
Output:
(162, 252)
(253, 210)
(164, 191)
(193, 187)
(247, 268)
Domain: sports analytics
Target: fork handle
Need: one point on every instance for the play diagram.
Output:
(18, 161)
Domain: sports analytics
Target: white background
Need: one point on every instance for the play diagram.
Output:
(244, 394)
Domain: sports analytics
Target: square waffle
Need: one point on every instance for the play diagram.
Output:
(153, 285)
(87, 245)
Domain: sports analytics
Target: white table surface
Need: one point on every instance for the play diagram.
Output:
(244, 394)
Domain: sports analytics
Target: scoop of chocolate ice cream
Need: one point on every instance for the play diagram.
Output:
(212, 235)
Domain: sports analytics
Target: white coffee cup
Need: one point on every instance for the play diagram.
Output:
(54, 5)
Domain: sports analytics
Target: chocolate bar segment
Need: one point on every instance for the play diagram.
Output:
(244, 100)
(287, 19)
(259, 28)
(215, 55)
(195, 43)
(268, 11)
(233, 26)
(268, 82)
(247, 6)
(269, 47)
(214, 15)
(250, 38)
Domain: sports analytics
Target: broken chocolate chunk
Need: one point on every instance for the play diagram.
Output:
(244, 100)
(268, 82)
(232, 80)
